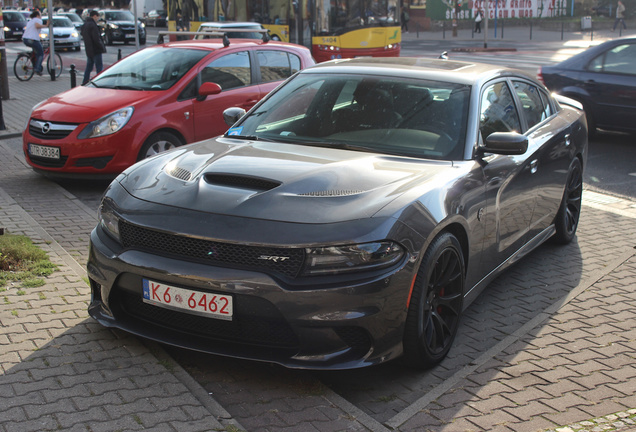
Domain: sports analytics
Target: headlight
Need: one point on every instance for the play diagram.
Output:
(108, 219)
(351, 258)
(7, 29)
(107, 125)
(44, 35)
(142, 25)
(113, 26)
(74, 34)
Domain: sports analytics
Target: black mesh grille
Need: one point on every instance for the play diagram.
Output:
(285, 261)
(47, 162)
(356, 337)
(50, 135)
(255, 321)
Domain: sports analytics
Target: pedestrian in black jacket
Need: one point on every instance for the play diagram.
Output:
(94, 45)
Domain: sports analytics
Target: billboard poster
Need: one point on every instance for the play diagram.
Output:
(502, 9)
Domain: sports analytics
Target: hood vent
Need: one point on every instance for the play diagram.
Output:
(180, 173)
(331, 193)
(239, 181)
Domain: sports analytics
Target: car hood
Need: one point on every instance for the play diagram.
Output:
(60, 31)
(282, 182)
(78, 105)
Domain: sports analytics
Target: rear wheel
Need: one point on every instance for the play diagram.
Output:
(158, 142)
(23, 67)
(436, 303)
(567, 218)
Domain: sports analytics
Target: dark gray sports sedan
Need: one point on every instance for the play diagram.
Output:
(348, 219)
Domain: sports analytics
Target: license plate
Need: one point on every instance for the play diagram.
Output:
(44, 151)
(17, 32)
(184, 300)
(131, 36)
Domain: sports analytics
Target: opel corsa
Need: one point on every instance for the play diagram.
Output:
(156, 99)
(346, 220)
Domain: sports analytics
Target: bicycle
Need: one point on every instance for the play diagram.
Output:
(24, 65)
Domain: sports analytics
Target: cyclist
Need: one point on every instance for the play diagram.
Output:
(31, 38)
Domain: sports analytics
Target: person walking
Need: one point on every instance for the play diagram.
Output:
(93, 44)
(405, 20)
(620, 15)
(31, 38)
(478, 18)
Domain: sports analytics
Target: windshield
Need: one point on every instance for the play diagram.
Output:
(118, 16)
(73, 17)
(383, 114)
(59, 22)
(339, 16)
(150, 69)
(13, 16)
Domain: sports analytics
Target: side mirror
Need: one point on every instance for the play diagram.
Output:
(505, 143)
(207, 89)
(232, 115)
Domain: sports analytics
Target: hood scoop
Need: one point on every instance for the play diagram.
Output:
(240, 181)
(180, 173)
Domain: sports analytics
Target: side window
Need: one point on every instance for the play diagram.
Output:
(547, 108)
(277, 65)
(531, 103)
(620, 60)
(230, 71)
(498, 112)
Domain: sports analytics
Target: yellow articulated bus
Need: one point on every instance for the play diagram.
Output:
(333, 28)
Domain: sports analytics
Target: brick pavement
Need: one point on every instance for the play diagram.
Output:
(550, 343)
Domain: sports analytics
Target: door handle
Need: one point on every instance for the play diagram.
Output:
(568, 141)
(534, 166)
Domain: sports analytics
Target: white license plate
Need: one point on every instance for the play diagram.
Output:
(131, 36)
(185, 300)
(17, 33)
(44, 151)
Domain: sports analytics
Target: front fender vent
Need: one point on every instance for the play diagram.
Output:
(239, 181)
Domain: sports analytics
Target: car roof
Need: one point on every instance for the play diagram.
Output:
(232, 24)
(216, 43)
(459, 72)
(581, 59)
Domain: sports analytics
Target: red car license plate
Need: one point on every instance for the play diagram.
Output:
(184, 300)
(44, 151)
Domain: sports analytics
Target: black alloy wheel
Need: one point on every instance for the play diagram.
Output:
(436, 303)
(567, 218)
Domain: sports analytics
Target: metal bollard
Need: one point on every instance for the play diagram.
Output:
(530, 30)
(502, 28)
(73, 76)
(562, 26)
(443, 29)
(119, 54)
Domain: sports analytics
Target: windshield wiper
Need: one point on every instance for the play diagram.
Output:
(245, 137)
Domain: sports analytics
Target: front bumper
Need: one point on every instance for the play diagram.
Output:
(340, 327)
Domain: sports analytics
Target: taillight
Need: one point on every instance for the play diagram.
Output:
(540, 75)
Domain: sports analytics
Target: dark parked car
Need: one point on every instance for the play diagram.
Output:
(119, 26)
(14, 24)
(603, 79)
(157, 18)
(348, 219)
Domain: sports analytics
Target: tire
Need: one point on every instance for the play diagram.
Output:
(436, 304)
(567, 218)
(157, 143)
(58, 65)
(23, 68)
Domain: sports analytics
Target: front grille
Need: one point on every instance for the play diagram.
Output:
(49, 163)
(255, 321)
(50, 131)
(356, 337)
(286, 261)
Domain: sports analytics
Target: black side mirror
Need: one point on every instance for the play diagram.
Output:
(505, 143)
(232, 115)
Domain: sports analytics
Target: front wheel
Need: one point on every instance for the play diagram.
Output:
(23, 67)
(436, 303)
(58, 65)
(567, 218)
(158, 142)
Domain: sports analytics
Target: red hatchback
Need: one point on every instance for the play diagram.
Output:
(156, 99)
